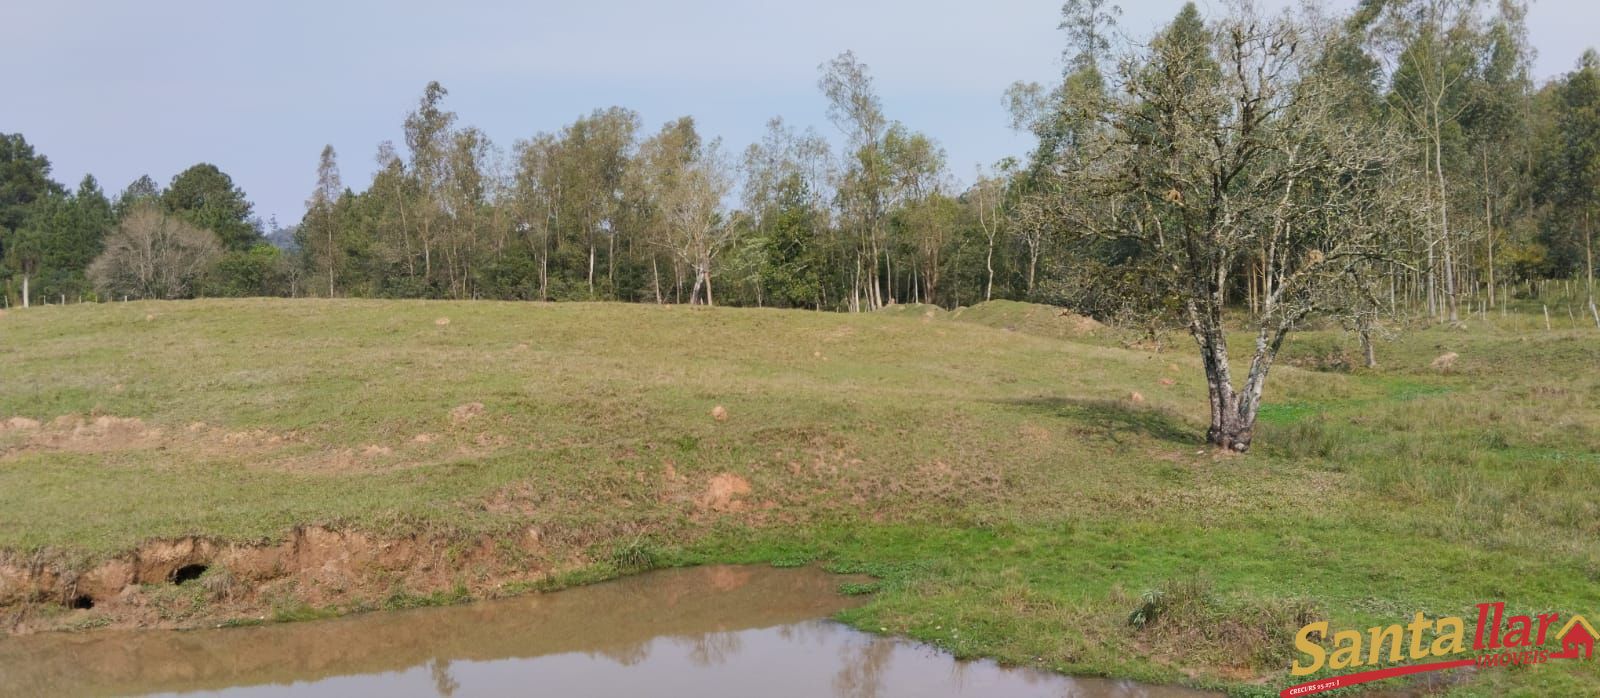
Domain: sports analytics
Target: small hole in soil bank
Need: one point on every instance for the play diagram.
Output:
(187, 573)
(82, 601)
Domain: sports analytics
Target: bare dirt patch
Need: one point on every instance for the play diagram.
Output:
(725, 493)
(108, 434)
(461, 414)
(19, 424)
(1445, 362)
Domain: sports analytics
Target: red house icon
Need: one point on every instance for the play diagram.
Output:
(1577, 639)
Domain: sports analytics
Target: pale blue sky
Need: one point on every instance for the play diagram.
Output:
(121, 89)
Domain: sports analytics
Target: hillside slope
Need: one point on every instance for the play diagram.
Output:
(1017, 494)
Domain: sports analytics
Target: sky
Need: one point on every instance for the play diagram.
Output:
(121, 89)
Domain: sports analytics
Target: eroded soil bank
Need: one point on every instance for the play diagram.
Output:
(708, 631)
(196, 582)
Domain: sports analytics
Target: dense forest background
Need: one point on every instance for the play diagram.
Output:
(609, 208)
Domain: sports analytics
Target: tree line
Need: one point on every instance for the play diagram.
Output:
(606, 209)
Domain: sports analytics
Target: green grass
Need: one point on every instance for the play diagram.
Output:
(1009, 496)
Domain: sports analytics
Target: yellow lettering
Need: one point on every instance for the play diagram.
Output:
(1418, 624)
(1448, 641)
(1396, 639)
(1346, 650)
(1303, 643)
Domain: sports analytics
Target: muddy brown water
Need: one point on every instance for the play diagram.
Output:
(707, 632)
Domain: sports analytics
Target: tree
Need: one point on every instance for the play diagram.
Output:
(206, 197)
(687, 180)
(139, 191)
(428, 137)
(987, 198)
(855, 109)
(467, 193)
(1223, 143)
(24, 178)
(785, 196)
(24, 181)
(1434, 47)
(152, 254)
(25, 254)
(258, 271)
(319, 229)
(535, 199)
(595, 152)
(1576, 169)
(57, 239)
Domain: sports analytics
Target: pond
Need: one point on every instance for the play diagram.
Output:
(713, 632)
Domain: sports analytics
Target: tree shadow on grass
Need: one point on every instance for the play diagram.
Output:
(1113, 418)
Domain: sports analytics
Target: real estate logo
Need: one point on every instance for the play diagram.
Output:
(1497, 641)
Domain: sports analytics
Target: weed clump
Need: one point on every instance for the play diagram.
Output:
(635, 556)
(1189, 617)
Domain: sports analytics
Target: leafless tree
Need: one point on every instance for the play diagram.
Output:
(686, 181)
(153, 255)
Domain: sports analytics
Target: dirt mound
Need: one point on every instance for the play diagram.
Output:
(107, 433)
(87, 434)
(19, 424)
(1029, 318)
(725, 493)
(462, 414)
(1445, 362)
(928, 313)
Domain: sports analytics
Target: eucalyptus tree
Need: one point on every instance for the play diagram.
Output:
(319, 229)
(394, 194)
(784, 193)
(428, 138)
(595, 151)
(535, 200)
(1574, 172)
(988, 198)
(1433, 50)
(466, 196)
(687, 180)
(863, 180)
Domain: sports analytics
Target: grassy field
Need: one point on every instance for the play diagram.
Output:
(1021, 484)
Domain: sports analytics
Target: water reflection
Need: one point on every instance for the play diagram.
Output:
(718, 631)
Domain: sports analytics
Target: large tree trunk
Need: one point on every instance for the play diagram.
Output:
(1233, 412)
(1233, 417)
(25, 299)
